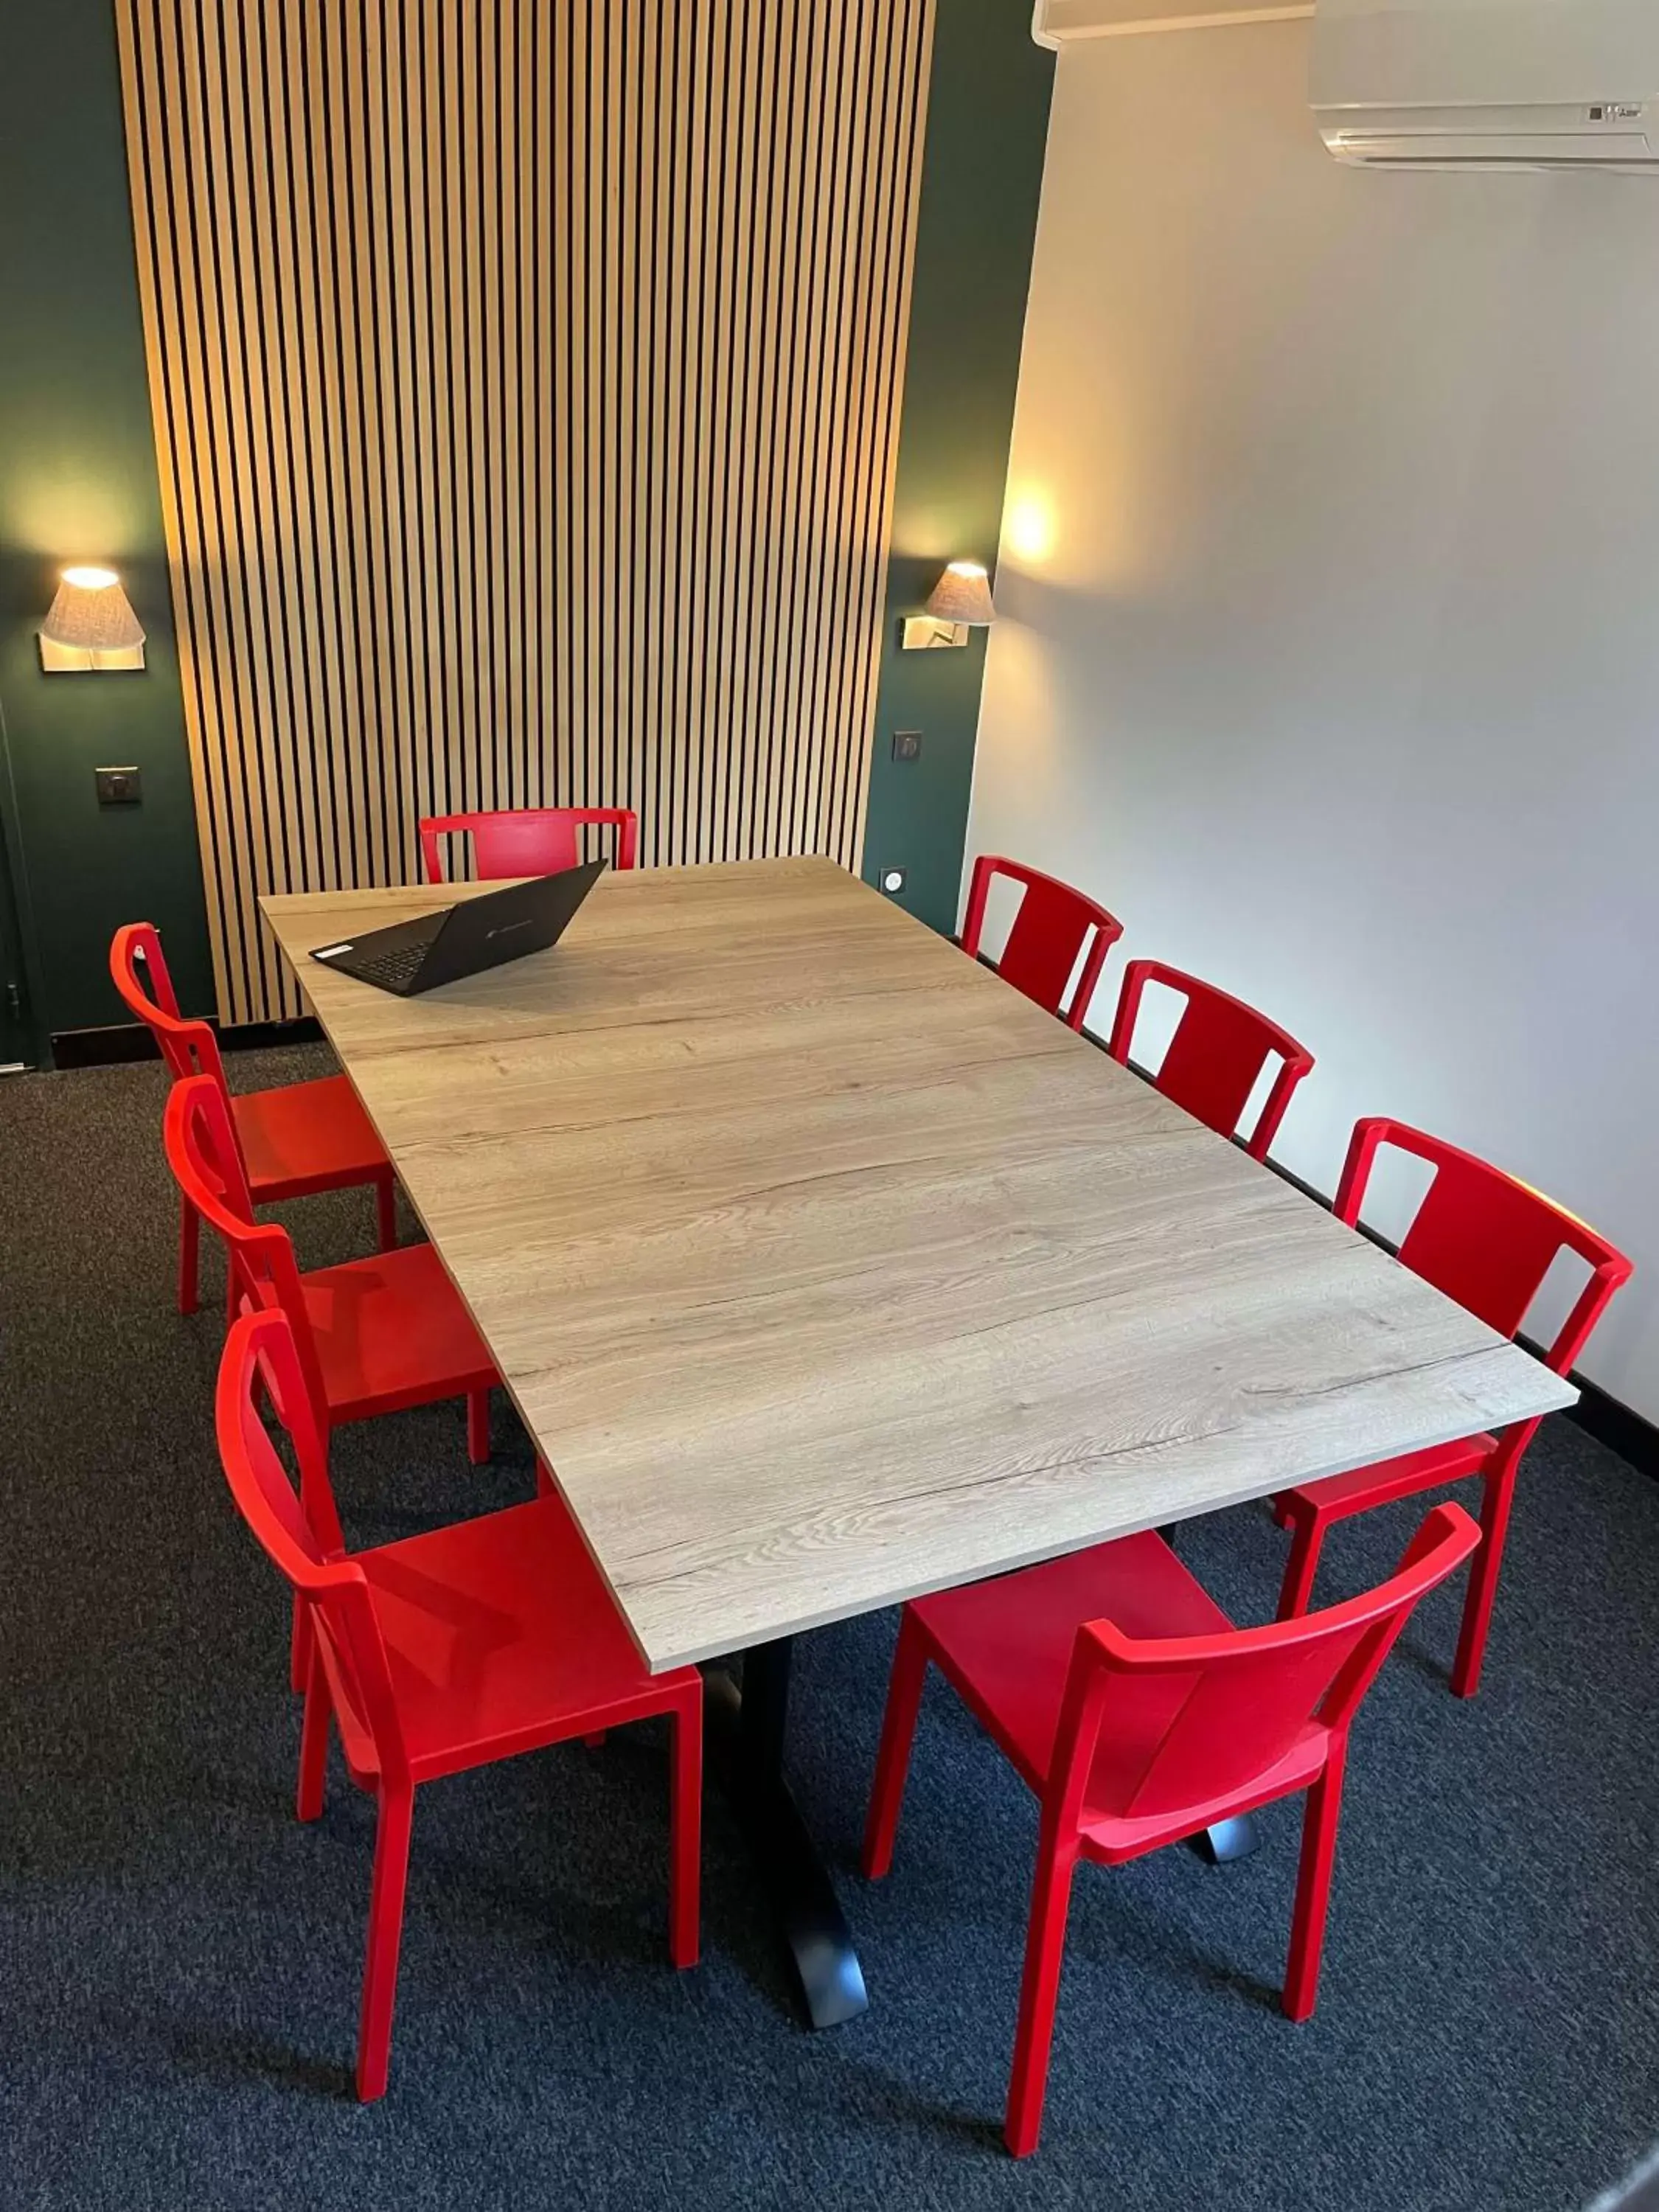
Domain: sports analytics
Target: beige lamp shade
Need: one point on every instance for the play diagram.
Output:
(90, 624)
(962, 594)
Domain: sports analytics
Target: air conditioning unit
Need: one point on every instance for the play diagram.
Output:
(1489, 84)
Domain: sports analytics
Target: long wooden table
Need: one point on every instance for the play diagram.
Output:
(824, 1269)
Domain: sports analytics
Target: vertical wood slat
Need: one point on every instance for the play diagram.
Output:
(524, 380)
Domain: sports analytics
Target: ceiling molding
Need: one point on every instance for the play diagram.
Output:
(1054, 23)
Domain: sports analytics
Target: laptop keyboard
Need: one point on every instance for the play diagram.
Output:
(395, 968)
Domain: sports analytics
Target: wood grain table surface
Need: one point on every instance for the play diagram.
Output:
(825, 1269)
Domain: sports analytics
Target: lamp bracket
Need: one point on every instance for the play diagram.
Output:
(926, 632)
(76, 661)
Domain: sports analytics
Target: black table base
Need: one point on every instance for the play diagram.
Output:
(744, 1735)
(1227, 1841)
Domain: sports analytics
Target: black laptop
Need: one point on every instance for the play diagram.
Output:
(462, 939)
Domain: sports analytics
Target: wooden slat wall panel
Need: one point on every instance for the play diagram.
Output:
(526, 379)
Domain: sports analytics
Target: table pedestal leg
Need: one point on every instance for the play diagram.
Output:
(744, 1735)
(1227, 1841)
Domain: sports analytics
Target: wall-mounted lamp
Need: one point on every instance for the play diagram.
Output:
(961, 601)
(91, 625)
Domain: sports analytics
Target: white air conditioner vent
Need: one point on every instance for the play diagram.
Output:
(1489, 84)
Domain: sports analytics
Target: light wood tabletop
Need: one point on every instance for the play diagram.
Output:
(825, 1269)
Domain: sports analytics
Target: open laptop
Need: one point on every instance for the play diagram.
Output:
(453, 941)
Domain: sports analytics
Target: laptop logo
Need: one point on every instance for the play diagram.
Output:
(507, 927)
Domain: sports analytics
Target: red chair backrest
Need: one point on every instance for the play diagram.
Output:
(1217, 1055)
(1485, 1239)
(207, 1166)
(1224, 1709)
(300, 1532)
(528, 840)
(1050, 930)
(140, 974)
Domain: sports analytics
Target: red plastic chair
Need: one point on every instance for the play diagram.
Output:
(1216, 1056)
(374, 1335)
(439, 1653)
(1054, 924)
(1128, 1703)
(529, 840)
(294, 1142)
(1487, 1241)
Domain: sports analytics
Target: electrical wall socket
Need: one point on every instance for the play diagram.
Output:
(119, 787)
(907, 745)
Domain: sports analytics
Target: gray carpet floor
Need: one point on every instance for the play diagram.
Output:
(179, 1960)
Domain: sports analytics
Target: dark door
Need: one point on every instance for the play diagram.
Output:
(18, 1040)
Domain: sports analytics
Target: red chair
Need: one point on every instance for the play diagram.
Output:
(1488, 1242)
(529, 840)
(439, 1653)
(1053, 926)
(1136, 1712)
(374, 1335)
(294, 1142)
(1216, 1056)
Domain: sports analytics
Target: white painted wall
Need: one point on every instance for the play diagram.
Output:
(1329, 654)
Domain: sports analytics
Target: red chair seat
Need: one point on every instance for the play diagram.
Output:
(1007, 1644)
(305, 1138)
(391, 1332)
(1357, 1491)
(465, 1614)
(1010, 1662)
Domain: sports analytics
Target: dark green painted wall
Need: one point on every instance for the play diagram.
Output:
(78, 482)
(987, 123)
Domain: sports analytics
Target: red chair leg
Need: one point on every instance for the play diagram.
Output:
(477, 1427)
(1484, 1569)
(898, 1730)
(1306, 1541)
(385, 1927)
(190, 1240)
(1313, 1885)
(313, 1739)
(1045, 1947)
(300, 1643)
(386, 1211)
(686, 1849)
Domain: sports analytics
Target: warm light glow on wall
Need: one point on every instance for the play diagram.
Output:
(1030, 528)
